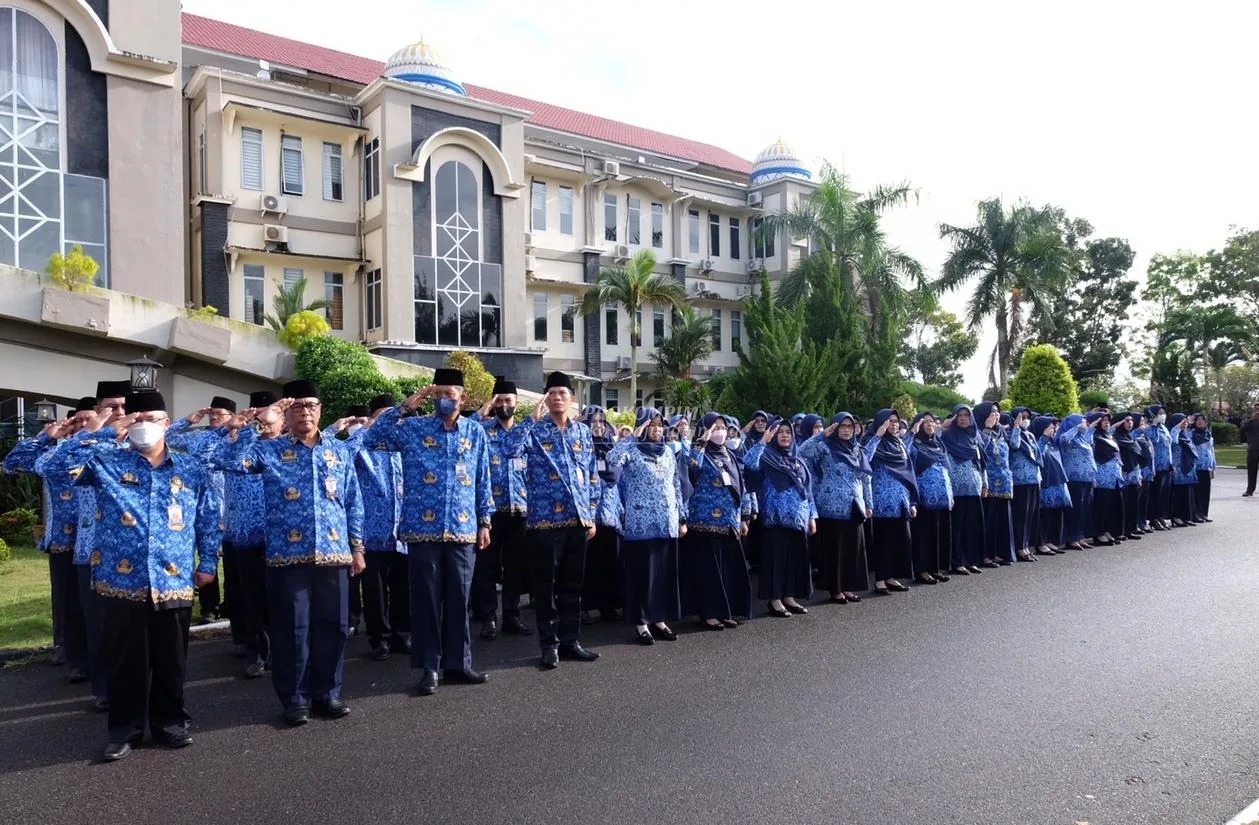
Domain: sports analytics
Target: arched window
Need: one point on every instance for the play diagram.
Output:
(457, 295)
(34, 188)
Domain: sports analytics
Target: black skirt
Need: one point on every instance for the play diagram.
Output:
(785, 564)
(1026, 512)
(715, 583)
(998, 529)
(968, 531)
(1107, 512)
(842, 556)
(602, 588)
(933, 541)
(651, 581)
(893, 552)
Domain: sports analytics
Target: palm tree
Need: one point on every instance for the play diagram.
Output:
(290, 300)
(632, 287)
(1017, 257)
(690, 340)
(1213, 338)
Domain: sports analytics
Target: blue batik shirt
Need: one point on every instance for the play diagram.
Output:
(69, 457)
(714, 506)
(1178, 478)
(507, 473)
(780, 508)
(1110, 474)
(890, 497)
(1206, 456)
(314, 511)
(561, 472)
(61, 499)
(1076, 447)
(1023, 470)
(935, 485)
(1161, 438)
(379, 471)
(445, 475)
(839, 491)
(156, 526)
(201, 444)
(651, 491)
(996, 444)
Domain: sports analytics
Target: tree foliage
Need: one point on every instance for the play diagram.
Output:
(346, 375)
(301, 326)
(690, 340)
(478, 384)
(937, 345)
(937, 400)
(74, 270)
(290, 300)
(1044, 383)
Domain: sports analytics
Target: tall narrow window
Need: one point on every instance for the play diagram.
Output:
(611, 398)
(609, 217)
(538, 192)
(292, 275)
(255, 290)
(735, 243)
(539, 316)
(612, 324)
(568, 320)
(291, 171)
(371, 169)
(736, 330)
(657, 327)
(762, 240)
(332, 182)
(635, 221)
(657, 225)
(201, 174)
(692, 231)
(334, 294)
(714, 235)
(716, 322)
(638, 398)
(566, 210)
(375, 300)
(250, 158)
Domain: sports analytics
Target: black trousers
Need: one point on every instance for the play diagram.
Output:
(1131, 507)
(146, 651)
(231, 606)
(307, 618)
(94, 625)
(441, 583)
(603, 589)
(1108, 515)
(68, 609)
(754, 541)
(1143, 504)
(251, 602)
(387, 597)
(1053, 527)
(504, 561)
(1183, 505)
(558, 571)
(1161, 496)
(933, 541)
(1026, 512)
(1252, 469)
(354, 607)
(208, 597)
(1202, 495)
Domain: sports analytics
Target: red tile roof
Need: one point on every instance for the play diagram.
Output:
(237, 40)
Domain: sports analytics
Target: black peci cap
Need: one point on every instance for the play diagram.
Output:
(301, 389)
(218, 402)
(262, 398)
(447, 377)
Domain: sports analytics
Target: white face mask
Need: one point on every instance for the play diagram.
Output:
(353, 428)
(146, 434)
(1161, 418)
(1025, 424)
(718, 437)
(734, 443)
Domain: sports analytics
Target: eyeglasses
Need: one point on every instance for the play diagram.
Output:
(306, 406)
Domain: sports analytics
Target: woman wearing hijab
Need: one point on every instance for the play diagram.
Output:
(1204, 443)
(1075, 445)
(653, 517)
(715, 583)
(1161, 491)
(1025, 469)
(752, 434)
(894, 489)
(789, 517)
(1184, 471)
(960, 436)
(1141, 432)
(841, 492)
(603, 588)
(995, 440)
(1130, 458)
(933, 528)
(1055, 498)
(1107, 495)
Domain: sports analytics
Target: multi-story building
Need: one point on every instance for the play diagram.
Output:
(203, 163)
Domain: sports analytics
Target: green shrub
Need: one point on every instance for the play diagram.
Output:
(5, 552)
(478, 384)
(905, 407)
(15, 525)
(936, 400)
(346, 374)
(1225, 433)
(1091, 398)
(318, 356)
(1044, 383)
(303, 326)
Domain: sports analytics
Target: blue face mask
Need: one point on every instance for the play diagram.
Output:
(675, 447)
(446, 407)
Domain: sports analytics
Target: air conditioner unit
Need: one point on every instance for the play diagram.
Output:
(754, 199)
(274, 204)
(744, 291)
(274, 233)
(699, 287)
(531, 263)
(756, 265)
(612, 168)
(622, 252)
(622, 362)
(706, 265)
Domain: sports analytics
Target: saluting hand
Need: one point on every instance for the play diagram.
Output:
(539, 410)
(770, 432)
(830, 430)
(195, 417)
(419, 397)
(883, 427)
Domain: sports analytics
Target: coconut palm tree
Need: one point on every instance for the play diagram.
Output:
(290, 300)
(631, 288)
(690, 340)
(1016, 257)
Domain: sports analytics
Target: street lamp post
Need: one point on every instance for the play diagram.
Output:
(144, 374)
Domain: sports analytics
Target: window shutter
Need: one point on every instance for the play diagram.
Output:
(332, 172)
(291, 157)
(250, 158)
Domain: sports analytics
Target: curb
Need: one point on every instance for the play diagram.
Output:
(21, 655)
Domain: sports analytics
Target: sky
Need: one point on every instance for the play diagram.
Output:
(1136, 116)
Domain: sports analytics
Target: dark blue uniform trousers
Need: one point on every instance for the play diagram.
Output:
(441, 580)
(307, 612)
(94, 625)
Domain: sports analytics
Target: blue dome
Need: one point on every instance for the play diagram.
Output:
(778, 161)
(421, 64)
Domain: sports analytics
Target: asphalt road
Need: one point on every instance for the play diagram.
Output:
(1110, 686)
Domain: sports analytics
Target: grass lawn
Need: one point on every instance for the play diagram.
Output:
(1231, 456)
(25, 600)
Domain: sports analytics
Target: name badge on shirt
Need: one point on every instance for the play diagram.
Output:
(725, 478)
(175, 517)
(461, 472)
(330, 486)
(518, 464)
(601, 466)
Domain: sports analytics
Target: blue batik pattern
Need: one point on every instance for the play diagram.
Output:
(61, 500)
(314, 511)
(445, 475)
(837, 487)
(935, 488)
(1206, 456)
(380, 483)
(1023, 470)
(1055, 497)
(1147, 471)
(1076, 447)
(651, 492)
(890, 497)
(507, 474)
(713, 507)
(561, 480)
(1161, 438)
(1179, 478)
(967, 477)
(1110, 475)
(996, 445)
(201, 444)
(69, 457)
(157, 526)
(780, 508)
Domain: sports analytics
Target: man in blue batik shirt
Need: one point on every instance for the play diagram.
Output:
(446, 509)
(314, 540)
(156, 541)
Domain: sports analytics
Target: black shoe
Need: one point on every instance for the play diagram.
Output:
(1100, 543)
(798, 609)
(574, 652)
(100, 703)
(400, 644)
(779, 612)
(428, 683)
(941, 577)
(550, 658)
(1159, 527)
(1028, 557)
(974, 568)
(1004, 562)
(897, 587)
(664, 634)
(645, 638)
(1206, 520)
(77, 676)
(116, 750)
(466, 676)
(489, 630)
(512, 626)
(961, 571)
(1248, 494)
(174, 741)
(380, 652)
(729, 623)
(331, 708)
(991, 565)
(1134, 536)
(704, 625)
(296, 716)
(255, 669)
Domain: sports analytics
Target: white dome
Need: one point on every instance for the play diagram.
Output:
(778, 161)
(422, 65)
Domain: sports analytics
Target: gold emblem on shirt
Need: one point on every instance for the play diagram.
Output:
(176, 483)
(717, 513)
(295, 536)
(430, 478)
(463, 518)
(465, 444)
(548, 446)
(128, 520)
(288, 456)
(429, 516)
(67, 495)
(249, 462)
(292, 494)
(555, 476)
(95, 558)
(577, 446)
(172, 569)
(333, 535)
(124, 566)
(559, 507)
(130, 478)
(498, 491)
(429, 441)
(495, 460)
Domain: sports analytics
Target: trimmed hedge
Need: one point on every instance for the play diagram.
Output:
(346, 374)
(1044, 383)
(1225, 433)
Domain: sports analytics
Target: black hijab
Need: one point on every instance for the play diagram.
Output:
(1188, 452)
(603, 443)
(649, 449)
(721, 457)
(1129, 447)
(891, 455)
(1052, 472)
(1203, 435)
(848, 451)
(1104, 446)
(929, 450)
(962, 443)
(780, 465)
